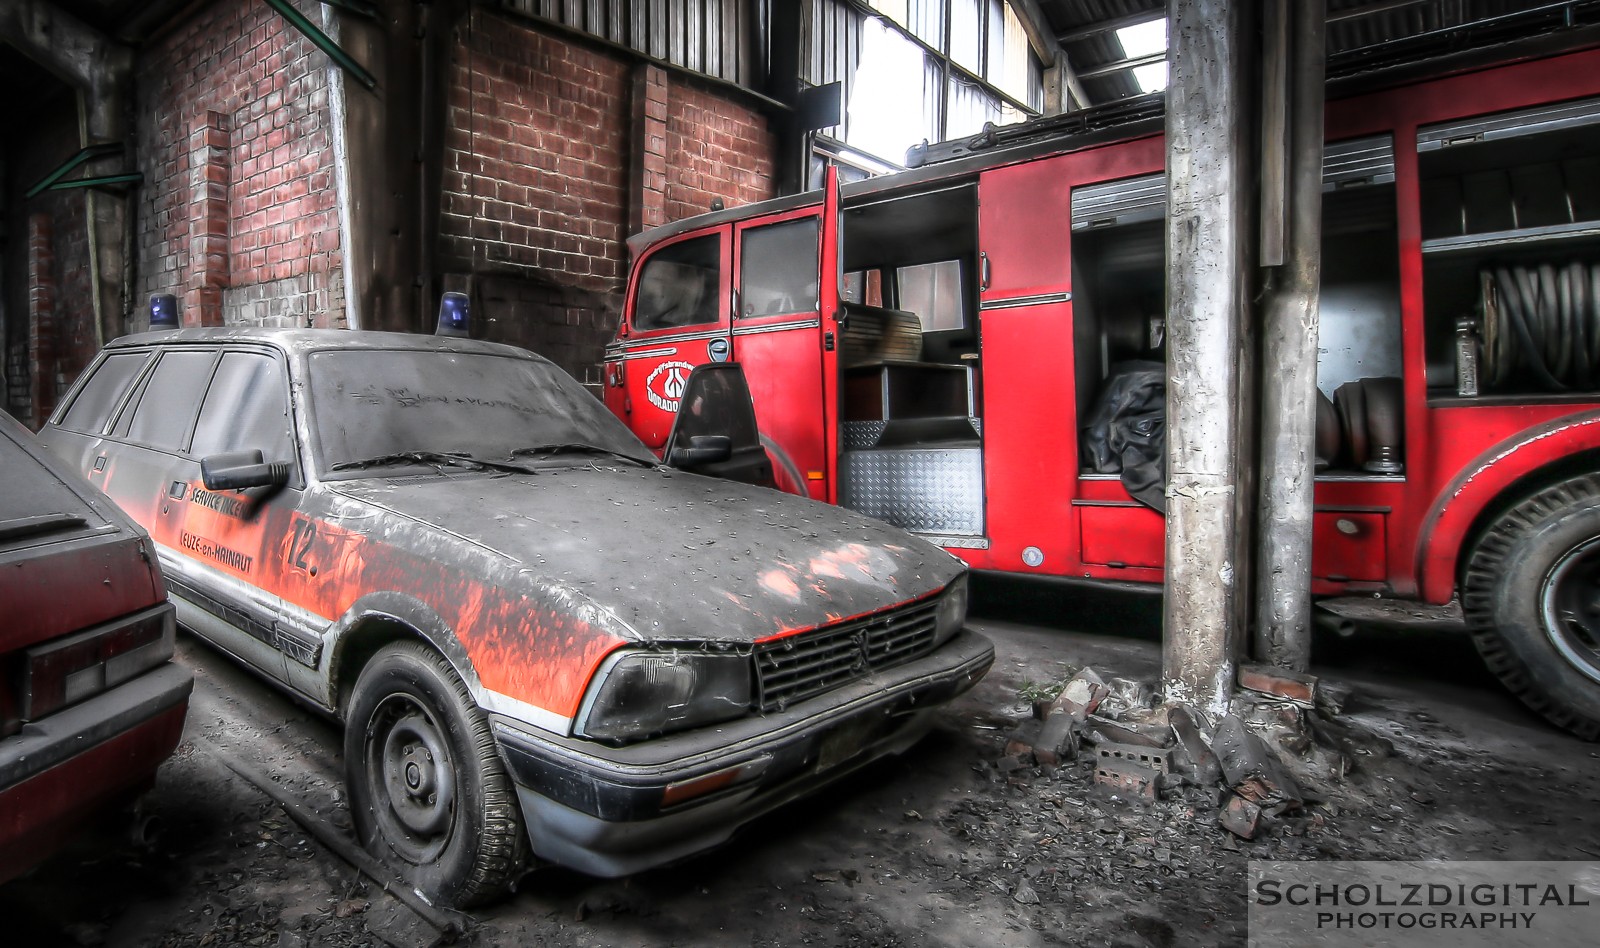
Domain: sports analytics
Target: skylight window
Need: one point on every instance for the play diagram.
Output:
(1146, 39)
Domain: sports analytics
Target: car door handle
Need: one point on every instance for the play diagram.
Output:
(177, 490)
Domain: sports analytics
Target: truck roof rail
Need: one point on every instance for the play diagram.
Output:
(1121, 112)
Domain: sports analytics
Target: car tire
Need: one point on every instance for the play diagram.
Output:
(429, 793)
(1531, 595)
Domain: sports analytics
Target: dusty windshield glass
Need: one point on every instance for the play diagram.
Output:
(391, 407)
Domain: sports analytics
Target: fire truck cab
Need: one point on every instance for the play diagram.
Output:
(956, 349)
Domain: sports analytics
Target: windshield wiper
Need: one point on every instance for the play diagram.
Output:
(434, 458)
(577, 447)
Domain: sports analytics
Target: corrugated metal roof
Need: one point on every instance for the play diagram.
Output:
(1390, 33)
(1066, 16)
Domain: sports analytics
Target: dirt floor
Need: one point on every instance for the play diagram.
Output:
(940, 847)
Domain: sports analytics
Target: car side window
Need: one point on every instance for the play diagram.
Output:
(680, 285)
(92, 408)
(165, 413)
(246, 407)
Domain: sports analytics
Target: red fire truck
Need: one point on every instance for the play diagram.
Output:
(936, 347)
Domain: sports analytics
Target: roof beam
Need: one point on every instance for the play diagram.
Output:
(1090, 30)
(1381, 6)
(1123, 64)
(1037, 27)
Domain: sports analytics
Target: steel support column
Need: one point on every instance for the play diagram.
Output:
(1208, 262)
(1289, 340)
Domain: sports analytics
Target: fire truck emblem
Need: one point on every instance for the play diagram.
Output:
(666, 383)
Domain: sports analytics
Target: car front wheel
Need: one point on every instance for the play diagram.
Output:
(1531, 595)
(428, 791)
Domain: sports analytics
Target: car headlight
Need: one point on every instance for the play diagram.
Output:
(638, 693)
(952, 610)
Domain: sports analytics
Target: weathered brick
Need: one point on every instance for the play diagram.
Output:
(1279, 682)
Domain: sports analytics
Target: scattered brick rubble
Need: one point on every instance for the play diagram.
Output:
(1262, 761)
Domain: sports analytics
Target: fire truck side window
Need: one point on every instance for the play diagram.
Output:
(933, 292)
(679, 285)
(778, 269)
(247, 407)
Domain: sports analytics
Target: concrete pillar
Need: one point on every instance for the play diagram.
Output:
(1209, 180)
(1289, 341)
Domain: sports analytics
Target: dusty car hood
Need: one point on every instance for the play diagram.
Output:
(677, 556)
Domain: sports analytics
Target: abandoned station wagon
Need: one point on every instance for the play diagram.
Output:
(537, 635)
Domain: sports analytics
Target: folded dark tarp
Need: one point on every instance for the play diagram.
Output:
(1127, 431)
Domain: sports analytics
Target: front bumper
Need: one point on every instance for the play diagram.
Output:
(59, 770)
(611, 811)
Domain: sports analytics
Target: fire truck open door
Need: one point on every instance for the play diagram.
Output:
(786, 329)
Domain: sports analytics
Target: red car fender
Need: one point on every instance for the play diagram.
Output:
(1454, 511)
(401, 609)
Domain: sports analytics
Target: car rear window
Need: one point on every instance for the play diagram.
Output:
(166, 409)
(371, 403)
(92, 408)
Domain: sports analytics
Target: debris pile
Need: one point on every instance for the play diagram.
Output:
(1283, 736)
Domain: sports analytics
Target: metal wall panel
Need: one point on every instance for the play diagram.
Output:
(831, 49)
(717, 38)
(705, 36)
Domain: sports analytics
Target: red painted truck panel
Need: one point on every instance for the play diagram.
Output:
(1396, 534)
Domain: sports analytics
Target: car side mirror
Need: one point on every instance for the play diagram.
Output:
(701, 449)
(715, 431)
(238, 470)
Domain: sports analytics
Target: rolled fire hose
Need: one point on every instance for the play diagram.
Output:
(1542, 326)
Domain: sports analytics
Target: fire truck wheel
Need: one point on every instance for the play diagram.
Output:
(1531, 594)
(428, 791)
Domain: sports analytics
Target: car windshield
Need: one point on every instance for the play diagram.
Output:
(378, 408)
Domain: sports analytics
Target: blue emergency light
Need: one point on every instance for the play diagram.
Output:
(163, 311)
(455, 314)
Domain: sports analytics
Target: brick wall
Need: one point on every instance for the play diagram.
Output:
(58, 268)
(536, 179)
(716, 148)
(59, 322)
(238, 215)
(556, 149)
(535, 186)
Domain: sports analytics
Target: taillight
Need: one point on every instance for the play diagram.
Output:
(68, 670)
(10, 723)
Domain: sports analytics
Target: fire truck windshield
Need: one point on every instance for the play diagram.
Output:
(394, 403)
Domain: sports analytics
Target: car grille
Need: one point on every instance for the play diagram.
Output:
(800, 666)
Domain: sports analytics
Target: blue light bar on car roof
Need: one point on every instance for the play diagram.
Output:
(164, 311)
(455, 314)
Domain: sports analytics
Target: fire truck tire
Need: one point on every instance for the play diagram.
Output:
(1531, 595)
(428, 791)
